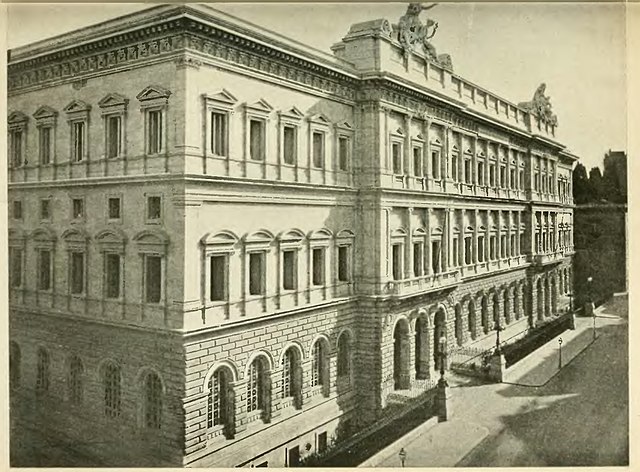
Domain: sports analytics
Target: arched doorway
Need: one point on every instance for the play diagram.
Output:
(422, 347)
(471, 320)
(485, 314)
(540, 300)
(458, 325)
(554, 297)
(440, 339)
(401, 355)
(506, 303)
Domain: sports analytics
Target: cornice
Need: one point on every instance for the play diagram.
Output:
(178, 35)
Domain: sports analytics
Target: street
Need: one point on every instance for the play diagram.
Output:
(579, 418)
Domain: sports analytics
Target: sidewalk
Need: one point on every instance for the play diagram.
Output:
(478, 410)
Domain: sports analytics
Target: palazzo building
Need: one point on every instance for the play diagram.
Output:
(230, 249)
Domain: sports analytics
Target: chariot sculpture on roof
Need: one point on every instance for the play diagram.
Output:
(412, 32)
(540, 106)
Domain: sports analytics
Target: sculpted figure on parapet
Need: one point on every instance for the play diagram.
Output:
(412, 32)
(540, 106)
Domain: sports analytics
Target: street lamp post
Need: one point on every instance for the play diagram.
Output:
(443, 344)
(560, 353)
(570, 295)
(592, 306)
(403, 456)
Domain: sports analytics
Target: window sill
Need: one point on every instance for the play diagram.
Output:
(153, 222)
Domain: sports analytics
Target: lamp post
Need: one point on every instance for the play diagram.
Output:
(498, 329)
(403, 455)
(442, 341)
(591, 304)
(559, 353)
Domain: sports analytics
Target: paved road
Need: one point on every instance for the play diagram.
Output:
(580, 418)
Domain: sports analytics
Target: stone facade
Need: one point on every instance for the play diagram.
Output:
(238, 248)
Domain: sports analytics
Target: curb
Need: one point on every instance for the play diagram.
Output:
(386, 452)
(558, 371)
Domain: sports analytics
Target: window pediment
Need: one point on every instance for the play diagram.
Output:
(319, 119)
(223, 100)
(293, 235)
(293, 114)
(111, 240)
(153, 92)
(113, 102)
(77, 106)
(320, 235)
(261, 239)
(436, 142)
(346, 234)
(17, 117)
(152, 241)
(75, 236)
(344, 126)
(45, 113)
(398, 233)
(17, 236)
(261, 108)
(43, 236)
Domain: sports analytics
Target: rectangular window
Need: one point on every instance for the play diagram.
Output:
(417, 161)
(256, 140)
(435, 164)
(45, 209)
(480, 173)
(480, 248)
(454, 168)
(512, 178)
(536, 182)
(154, 131)
(112, 276)
(154, 208)
(44, 269)
(153, 279)
(77, 140)
(435, 256)
(318, 266)
(467, 171)
(15, 267)
(77, 273)
(114, 208)
(218, 267)
(456, 252)
(318, 150)
(396, 152)
(492, 248)
(114, 136)
(289, 270)
(513, 245)
(396, 251)
(289, 145)
(219, 133)
(44, 139)
(322, 442)
(77, 208)
(503, 176)
(521, 182)
(503, 246)
(521, 242)
(15, 146)
(492, 175)
(417, 259)
(343, 263)
(467, 250)
(256, 270)
(17, 209)
(343, 153)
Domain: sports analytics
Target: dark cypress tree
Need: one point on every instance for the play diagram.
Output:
(597, 185)
(581, 187)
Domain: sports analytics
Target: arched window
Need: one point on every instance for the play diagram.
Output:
(292, 376)
(152, 401)
(112, 390)
(458, 325)
(319, 364)
(218, 384)
(258, 387)
(76, 372)
(15, 358)
(344, 355)
(42, 371)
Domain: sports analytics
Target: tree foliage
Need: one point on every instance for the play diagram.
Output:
(598, 187)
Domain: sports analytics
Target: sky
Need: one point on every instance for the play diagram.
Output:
(577, 49)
